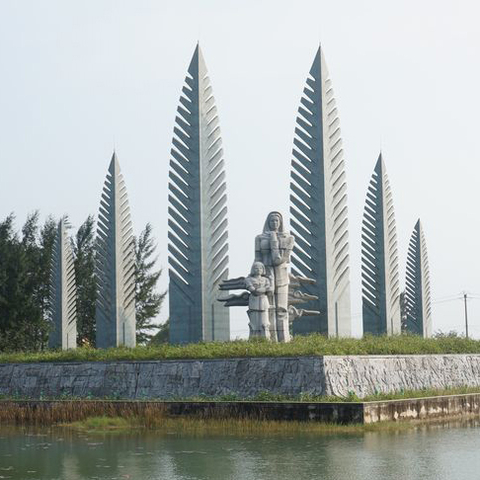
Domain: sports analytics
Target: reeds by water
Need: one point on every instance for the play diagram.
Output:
(104, 416)
(57, 412)
(223, 417)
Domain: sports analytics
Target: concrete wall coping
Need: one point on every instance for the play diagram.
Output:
(236, 359)
(169, 360)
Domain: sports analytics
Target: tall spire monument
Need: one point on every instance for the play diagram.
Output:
(380, 276)
(63, 292)
(318, 207)
(418, 302)
(198, 248)
(115, 309)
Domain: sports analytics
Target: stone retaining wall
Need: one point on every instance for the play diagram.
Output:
(243, 377)
(369, 374)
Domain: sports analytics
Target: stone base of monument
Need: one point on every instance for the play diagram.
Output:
(242, 378)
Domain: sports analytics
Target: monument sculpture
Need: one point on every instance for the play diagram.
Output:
(272, 292)
(380, 278)
(273, 248)
(418, 304)
(115, 265)
(260, 287)
(198, 247)
(318, 206)
(63, 292)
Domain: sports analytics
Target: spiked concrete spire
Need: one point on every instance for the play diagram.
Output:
(197, 215)
(418, 305)
(380, 282)
(115, 310)
(63, 292)
(318, 206)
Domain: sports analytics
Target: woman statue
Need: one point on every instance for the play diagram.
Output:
(273, 248)
(259, 285)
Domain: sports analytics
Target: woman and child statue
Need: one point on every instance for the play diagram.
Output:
(268, 282)
(272, 291)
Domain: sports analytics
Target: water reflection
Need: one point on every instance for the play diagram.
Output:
(434, 452)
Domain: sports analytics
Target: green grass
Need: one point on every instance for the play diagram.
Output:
(103, 423)
(299, 346)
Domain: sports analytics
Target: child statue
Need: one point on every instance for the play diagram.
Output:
(259, 285)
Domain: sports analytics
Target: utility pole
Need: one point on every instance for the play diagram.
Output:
(466, 315)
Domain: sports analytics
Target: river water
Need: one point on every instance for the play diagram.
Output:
(436, 452)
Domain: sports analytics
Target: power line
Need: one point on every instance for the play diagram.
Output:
(458, 296)
(446, 301)
(448, 297)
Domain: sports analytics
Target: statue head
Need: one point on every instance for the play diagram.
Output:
(258, 268)
(274, 222)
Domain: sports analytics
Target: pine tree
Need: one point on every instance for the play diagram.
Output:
(25, 266)
(163, 334)
(24, 275)
(34, 325)
(84, 250)
(46, 241)
(148, 301)
(11, 295)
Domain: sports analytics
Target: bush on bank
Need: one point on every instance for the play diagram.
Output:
(299, 346)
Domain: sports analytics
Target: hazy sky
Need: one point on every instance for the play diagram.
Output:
(80, 77)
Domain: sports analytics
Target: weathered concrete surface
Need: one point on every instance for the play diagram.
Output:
(429, 408)
(243, 377)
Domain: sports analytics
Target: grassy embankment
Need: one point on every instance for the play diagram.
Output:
(299, 346)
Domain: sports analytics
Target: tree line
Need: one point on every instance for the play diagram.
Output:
(25, 266)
